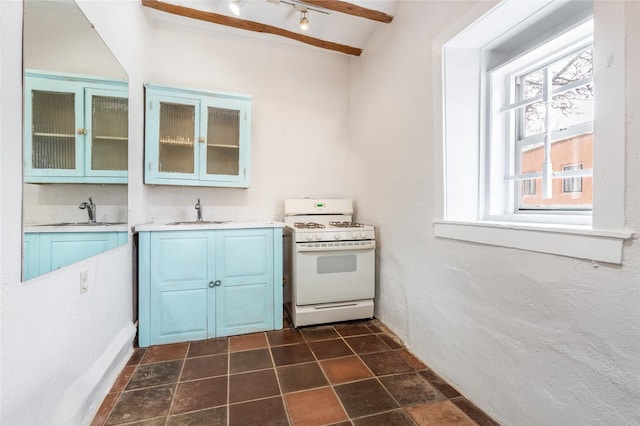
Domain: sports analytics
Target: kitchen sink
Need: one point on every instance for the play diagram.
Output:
(203, 222)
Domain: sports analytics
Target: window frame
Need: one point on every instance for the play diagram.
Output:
(459, 58)
(505, 137)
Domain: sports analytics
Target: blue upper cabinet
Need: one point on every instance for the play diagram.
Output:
(76, 129)
(196, 138)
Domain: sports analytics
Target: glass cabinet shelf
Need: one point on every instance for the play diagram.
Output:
(223, 146)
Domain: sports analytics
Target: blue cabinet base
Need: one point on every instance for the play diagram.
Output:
(196, 285)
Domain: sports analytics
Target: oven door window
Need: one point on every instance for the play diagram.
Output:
(334, 276)
(337, 264)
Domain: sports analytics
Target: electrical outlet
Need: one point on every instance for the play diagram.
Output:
(84, 281)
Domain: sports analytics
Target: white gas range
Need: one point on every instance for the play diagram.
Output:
(329, 262)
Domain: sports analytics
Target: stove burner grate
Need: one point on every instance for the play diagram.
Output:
(346, 224)
(308, 225)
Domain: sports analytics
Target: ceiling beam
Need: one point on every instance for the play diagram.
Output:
(350, 9)
(248, 25)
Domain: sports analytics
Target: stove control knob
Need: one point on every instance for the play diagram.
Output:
(362, 235)
(354, 235)
(318, 237)
(336, 236)
(309, 237)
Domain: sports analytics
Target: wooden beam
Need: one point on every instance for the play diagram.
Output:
(248, 25)
(350, 9)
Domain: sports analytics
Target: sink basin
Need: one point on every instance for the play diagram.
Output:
(204, 222)
(83, 224)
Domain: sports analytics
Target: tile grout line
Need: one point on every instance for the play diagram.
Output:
(175, 394)
(325, 374)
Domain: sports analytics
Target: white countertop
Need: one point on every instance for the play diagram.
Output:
(193, 226)
(115, 227)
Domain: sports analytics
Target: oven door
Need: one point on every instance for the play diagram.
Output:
(329, 273)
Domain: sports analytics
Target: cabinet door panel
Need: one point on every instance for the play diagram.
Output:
(244, 308)
(53, 116)
(227, 142)
(244, 266)
(171, 147)
(61, 249)
(107, 121)
(182, 314)
(181, 301)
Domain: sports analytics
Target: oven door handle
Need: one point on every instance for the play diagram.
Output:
(339, 246)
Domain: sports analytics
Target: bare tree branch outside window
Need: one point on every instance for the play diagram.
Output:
(567, 107)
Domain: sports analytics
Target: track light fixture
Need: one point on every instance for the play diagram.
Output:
(304, 20)
(301, 7)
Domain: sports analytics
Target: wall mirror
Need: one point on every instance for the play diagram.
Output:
(75, 139)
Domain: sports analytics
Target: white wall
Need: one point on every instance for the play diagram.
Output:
(531, 338)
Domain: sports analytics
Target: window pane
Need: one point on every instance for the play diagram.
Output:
(223, 141)
(574, 153)
(572, 68)
(110, 117)
(532, 84)
(572, 107)
(177, 138)
(534, 119)
(54, 128)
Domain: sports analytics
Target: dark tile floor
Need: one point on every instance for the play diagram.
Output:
(353, 373)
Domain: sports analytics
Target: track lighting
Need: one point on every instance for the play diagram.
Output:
(304, 20)
(236, 6)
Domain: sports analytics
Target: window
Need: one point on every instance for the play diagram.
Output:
(529, 187)
(543, 119)
(487, 59)
(572, 184)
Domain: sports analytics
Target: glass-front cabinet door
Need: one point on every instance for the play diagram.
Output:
(196, 138)
(56, 140)
(108, 133)
(75, 129)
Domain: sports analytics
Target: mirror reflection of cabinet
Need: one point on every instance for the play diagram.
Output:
(59, 41)
(196, 138)
(76, 129)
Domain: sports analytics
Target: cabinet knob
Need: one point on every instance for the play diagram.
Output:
(218, 283)
(211, 284)
(82, 131)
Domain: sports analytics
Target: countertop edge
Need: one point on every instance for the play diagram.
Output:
(206, 226)
(42, 229)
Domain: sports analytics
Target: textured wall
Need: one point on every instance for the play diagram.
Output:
(531, 338)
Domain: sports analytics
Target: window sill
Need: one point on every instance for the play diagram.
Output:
(563, 240)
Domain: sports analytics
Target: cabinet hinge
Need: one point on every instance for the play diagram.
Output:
(245, 172)
(150, 166)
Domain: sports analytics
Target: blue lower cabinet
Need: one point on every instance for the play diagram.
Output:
(196, 285)
(47, 251)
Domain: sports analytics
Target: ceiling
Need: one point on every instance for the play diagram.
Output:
(338, 26)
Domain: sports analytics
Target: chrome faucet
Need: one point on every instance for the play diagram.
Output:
(198, 207)
(91, 210)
